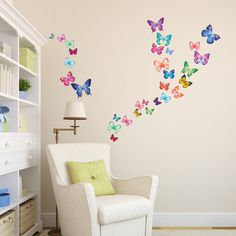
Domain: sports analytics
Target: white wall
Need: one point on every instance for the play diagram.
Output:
(190, 143)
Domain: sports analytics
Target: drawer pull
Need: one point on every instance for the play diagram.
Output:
(29, 143)
(7, 144)
(9, 220)
(8, 162)
(30, 157)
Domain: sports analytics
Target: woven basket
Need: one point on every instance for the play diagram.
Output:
(7, 223)
(27, 215)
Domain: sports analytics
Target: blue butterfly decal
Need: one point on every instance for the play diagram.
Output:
(210, 36)
(169, 51)
(79, 89)
(69, 62)
(4, 109)
(164, 41)
(170, 74)
(164, 97)
(116, 117)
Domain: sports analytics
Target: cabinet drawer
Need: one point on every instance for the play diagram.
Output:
(8, 161)
(8, 144)
(28, 142)
(26, 159)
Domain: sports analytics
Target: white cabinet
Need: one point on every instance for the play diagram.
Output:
(20, 146)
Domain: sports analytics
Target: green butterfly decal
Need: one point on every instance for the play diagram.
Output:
(188, 70)
(149, 110)
(113, 127)
(51, 36)
(70, 44)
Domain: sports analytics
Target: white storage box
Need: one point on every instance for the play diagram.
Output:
(27, 215)
(5, 49)
(7, 223)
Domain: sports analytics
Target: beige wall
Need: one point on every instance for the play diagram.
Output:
(190, 143)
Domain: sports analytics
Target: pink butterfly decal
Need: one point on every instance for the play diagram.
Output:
(126, 121)
(201, 59)
(162, 65)
(139, 105)
(194, 45)
(68, 79)
(157, 49)
(113, 138)
(145, 102)
(73, 51)
(164, 86)
(61, 38)
(176, 92)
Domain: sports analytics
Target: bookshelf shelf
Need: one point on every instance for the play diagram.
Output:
(6, 97)
(25, 103)
(7, 60)
(26, 73)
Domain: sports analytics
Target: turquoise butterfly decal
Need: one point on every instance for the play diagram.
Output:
(165, 41)
(164, 97)
(70, 44)
(113, 127)
(69, 62)
(169, 74)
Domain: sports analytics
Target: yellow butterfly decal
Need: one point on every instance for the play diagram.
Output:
(137, 113)
(184, 82)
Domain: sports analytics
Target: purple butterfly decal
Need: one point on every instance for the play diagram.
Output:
(157, 101)
(158, 25)
(157, 49)
(201, 59)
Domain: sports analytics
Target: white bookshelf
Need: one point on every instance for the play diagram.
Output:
(20, 149)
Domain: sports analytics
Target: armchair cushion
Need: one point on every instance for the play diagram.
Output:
(94, 173)
(121, 207)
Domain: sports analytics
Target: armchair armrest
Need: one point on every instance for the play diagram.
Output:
(77, 209)
(145, 186)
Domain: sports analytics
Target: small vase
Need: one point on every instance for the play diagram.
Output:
(23, 94)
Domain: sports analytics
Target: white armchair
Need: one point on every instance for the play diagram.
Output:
(127, 213)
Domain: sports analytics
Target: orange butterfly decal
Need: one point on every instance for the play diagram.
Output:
(164, 86)
(162, 65)
(176, 92)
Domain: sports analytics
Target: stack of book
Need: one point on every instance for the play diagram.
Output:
(5, 79)
(5, 49)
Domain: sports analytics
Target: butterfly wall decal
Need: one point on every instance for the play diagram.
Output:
(169, 74)
(113, 138)
(157, 101)
(145, 102)
(176, 92)
(52, 36)
(61, 38)
(79, 89)
(156, 49)
(149, 110)
(163, 41)
(195, 46)
(70, 44)
(137, 113)
(140, 105)
(116, 117)
(184, 82)
(211, 38)
(201, 59)
(126, 120)
(169, 51)
(165, 98)
(68, 62)
(164, 85)
(164, 64)
(73, 51)
(188, 70)
(114, 128)
(157, 25)
(68, 79)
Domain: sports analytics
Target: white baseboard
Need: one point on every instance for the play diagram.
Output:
(174, 219)
(194, 219)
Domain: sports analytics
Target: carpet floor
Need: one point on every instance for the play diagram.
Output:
(185, 233)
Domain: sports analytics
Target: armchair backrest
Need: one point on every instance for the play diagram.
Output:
(59, 154)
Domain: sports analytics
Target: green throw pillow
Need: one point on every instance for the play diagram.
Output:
(94, 173)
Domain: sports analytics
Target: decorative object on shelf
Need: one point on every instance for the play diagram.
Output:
(74, 111)
(5, 79)
(24, 86)
(4, 197)
(22, 124)
(7, 223)
(28, 58)
(4, 121)
(5, 49)
(20, 186)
